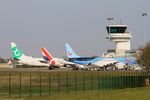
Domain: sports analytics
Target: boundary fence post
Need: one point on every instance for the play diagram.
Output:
(75, 82)
(49, 85)
(30, 85)
(84, 81)
(20, 85)
(98, 81)
(58, 90)
(40, 85)
(91, 82)
(9, 84)
(67, 82)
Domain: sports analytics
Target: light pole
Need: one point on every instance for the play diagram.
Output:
(144, 15)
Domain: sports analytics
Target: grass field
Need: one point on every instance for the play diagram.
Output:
(122, 94)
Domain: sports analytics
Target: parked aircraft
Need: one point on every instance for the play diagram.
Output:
(93, 61)
(119, 62)
(58, 62)
(26, 60)
(125, 61)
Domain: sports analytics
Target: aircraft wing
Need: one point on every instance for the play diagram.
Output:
(74, 65)
(103, 63)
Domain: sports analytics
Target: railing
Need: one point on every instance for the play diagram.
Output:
(18, 84)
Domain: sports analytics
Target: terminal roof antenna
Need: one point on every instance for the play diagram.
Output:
(120, 20)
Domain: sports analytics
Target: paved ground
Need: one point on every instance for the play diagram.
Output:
(6, 67)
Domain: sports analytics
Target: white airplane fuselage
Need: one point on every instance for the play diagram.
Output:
(32, 61)
(104, 62)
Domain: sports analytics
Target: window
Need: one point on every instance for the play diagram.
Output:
(116, 29)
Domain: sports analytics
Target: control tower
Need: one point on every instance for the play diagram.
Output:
(119, 35)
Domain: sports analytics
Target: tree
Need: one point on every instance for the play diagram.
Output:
(144, 58)
(1, 60)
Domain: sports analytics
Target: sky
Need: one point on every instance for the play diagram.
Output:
(33, 24)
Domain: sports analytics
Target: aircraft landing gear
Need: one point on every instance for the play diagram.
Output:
(51, 67)
(75, 68)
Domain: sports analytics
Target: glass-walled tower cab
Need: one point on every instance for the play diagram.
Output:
(119, 35)
(116, 29)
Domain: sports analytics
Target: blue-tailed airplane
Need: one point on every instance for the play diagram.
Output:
(94, 61)
(120, 62)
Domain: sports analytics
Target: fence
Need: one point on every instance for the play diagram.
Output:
(18, 84)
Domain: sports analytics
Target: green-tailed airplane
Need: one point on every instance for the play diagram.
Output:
(26, 60)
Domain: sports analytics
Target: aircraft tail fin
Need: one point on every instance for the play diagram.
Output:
(70, 51)
(17, 53)
(46, 55)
